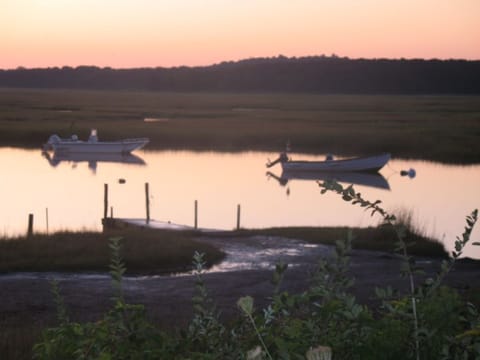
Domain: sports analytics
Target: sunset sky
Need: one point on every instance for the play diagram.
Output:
(150, 33)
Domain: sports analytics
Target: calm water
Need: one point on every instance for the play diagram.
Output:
(71, 192)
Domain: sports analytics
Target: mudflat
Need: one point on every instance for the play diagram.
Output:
(27, 299)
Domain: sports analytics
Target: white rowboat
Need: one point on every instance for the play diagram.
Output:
(368, 164)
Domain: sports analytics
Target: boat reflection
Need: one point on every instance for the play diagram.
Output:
(375, 180)
(55, 158)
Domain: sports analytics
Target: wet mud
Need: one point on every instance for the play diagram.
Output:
(247, 270)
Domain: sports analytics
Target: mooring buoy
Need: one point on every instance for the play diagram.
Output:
(410, 173)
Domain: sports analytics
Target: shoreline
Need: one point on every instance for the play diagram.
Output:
(454, 160)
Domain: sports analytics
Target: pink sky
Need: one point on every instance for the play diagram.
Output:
(137, 33)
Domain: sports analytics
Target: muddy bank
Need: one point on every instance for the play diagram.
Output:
(247, 270)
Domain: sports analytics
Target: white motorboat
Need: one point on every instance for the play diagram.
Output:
(93, 145)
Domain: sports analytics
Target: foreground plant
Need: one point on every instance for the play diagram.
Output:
(123, 333)
(206, 335)
(424, 295)
(246, 305)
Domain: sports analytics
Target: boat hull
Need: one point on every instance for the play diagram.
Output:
(119, 147)
(366, 164)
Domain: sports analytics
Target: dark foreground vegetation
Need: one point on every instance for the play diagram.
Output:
(441, 128)
(429, 321)
(319, 74)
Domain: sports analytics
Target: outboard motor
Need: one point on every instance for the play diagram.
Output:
(53, 139)
(50, 144)
(93, 136)
(281, 159)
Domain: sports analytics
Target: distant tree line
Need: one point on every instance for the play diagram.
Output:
(316, 74)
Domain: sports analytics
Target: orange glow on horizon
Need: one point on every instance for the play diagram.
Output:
(147, 33)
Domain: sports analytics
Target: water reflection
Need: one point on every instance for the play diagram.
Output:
(55, 158)
(375, 180)
(438, 198)
(264, 252)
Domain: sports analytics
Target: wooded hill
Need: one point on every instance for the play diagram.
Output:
(317, 74)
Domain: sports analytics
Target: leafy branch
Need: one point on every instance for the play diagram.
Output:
(350, 195)
(117, 268)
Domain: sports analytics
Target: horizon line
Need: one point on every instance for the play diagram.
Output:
(281, 57)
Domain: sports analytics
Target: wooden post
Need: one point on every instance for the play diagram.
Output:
(238, 217)
(46, 218)
(195, 221)
(105, 201)
(147, 203)
(30, 225)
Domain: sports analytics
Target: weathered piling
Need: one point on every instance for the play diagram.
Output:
(195, 219)
(147, 202)
(105, 201)
(30, 225)
(238, 217)
(46, 218)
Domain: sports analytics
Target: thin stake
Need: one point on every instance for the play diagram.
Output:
(46, 218)
(147, 202)
(30, 225)
(238, 217)
(195, 222)
(105, 200)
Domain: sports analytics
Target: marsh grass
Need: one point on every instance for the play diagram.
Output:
(144, 251)
(379, 238)
(406, 218)
(163, 251)
(16, 340)
(443, 128)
